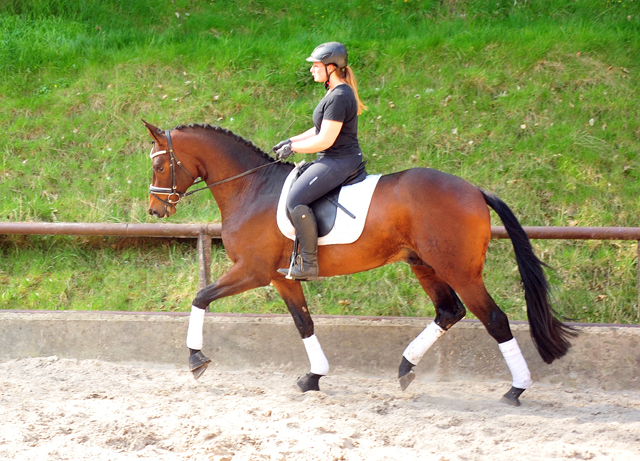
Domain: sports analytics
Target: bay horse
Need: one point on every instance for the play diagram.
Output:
(436, 222)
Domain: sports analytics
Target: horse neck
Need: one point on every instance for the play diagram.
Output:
(221, 156)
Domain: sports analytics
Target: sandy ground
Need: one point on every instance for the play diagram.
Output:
(55, 409)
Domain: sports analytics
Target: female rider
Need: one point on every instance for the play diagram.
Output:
(334, 138)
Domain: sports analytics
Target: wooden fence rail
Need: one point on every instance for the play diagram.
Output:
(203, 232)
(208, 231)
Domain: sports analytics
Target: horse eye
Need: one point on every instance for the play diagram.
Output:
(160, 169)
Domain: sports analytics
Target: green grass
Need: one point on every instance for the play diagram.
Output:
(535, 101)
(95, 274)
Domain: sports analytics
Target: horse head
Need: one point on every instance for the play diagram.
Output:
(172, 174)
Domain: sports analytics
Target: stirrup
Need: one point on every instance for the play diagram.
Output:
(297, 260)
(287, 271)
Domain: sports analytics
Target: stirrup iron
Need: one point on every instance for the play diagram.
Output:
(287, 272)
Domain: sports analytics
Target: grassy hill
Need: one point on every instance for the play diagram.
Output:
(535, 101)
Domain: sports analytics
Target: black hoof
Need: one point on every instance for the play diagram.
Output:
(198, 371)
(309, 382)
(198, 363)
(406, 374)
(511, 397)
(406, 380)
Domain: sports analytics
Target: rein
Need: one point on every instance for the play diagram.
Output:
(170, 192)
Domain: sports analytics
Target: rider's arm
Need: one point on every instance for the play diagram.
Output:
(306, 135)
(329, 130)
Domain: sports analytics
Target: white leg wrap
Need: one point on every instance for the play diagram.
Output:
(194, 334)
(414, 351)
(319, 362)
(517, 365)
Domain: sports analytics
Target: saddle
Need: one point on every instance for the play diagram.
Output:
(326, 207)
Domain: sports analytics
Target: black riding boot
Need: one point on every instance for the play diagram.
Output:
(305, 266)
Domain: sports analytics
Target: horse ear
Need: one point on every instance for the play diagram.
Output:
(155, 132)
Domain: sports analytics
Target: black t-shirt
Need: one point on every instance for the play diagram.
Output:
(340, 105)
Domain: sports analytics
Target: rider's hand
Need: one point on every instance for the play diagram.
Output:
(284, 151)
(280, 144)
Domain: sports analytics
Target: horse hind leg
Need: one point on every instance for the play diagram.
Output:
(449, 310)
(482, 305)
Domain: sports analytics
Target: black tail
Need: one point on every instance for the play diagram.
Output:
(550, 336)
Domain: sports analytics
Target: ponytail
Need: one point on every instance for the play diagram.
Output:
(351, 81)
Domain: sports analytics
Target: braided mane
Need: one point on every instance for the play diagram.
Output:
(224, 131)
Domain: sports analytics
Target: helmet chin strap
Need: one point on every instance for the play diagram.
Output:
(326, 84)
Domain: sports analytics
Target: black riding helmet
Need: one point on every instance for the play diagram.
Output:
(330, 53)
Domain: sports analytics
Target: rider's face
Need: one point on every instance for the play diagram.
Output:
(319, 72)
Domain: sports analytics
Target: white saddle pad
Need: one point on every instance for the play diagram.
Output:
(355, 198)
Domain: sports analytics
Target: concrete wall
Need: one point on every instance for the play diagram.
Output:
(602, 357)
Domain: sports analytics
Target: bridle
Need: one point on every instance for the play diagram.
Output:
(173, 190)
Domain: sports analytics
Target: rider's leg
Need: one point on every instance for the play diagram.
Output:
(324, 175)
(306, 263)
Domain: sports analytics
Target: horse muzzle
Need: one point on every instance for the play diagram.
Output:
(160, 209)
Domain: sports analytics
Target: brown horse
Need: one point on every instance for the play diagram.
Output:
(436, 222)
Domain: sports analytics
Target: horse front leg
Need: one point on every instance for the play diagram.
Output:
(293, 296)
(235, 280)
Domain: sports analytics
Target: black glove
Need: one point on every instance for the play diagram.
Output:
(280, 144)
(284, 151)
